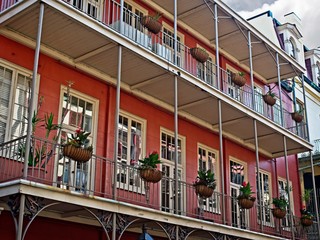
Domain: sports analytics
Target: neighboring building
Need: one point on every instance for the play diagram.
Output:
(289, 36)
(96, 66)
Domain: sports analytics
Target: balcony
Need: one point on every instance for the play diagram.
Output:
(92, 180)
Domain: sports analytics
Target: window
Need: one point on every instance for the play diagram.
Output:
(77, 111)
(284, 191)
(91, 7)
(130, 146)
(277, 113)
(15, 93)
(233, 90)
(168, 167)
(207, 71)
(168, 41)
(208, 161)
(265, 183)
(292, 48)
(258, 99)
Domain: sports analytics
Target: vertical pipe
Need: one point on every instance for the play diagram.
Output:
(175, 32)
(314, 193)
(33, 88)
(221, 163)
(258, 170)
(305, 108)
(121, 17)
(21, 216)
(288, 185)
(176, 199)
(217, 46)
(116, 136)
(280, 95)
(251, 70)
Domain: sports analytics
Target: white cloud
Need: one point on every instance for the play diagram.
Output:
(307, 11)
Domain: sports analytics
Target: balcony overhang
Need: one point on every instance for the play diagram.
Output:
(232, 35)
(76, 39)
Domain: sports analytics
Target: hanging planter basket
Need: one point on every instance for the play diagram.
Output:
(246, 203)
(297, 117)
(199, 54)
(151, 175)
(237, 79)
(77, 154)
(278, 213)
(151, 24)
(306, 222)
(204, 191)
(269, 99)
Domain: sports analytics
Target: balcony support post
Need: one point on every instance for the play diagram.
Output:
(175, 24)
(21, 217)
(251, 70)
(176, 179)
(217, 45)
(279, 84)
(258, 171)
(221, 163)
(121, 16)
(314, 194)
(305, 108)
(288, 184)
(33, 88)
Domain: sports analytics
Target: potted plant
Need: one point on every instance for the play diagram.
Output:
(205, 183)
(245, 200)
(269, 98)
(297, 115)
(238, 78)
(306, 216)
(77, 147)
(280, 207)
(148, 168)
(152, 23)
(199, 54)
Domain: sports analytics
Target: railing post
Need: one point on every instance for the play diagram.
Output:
(251, 71)
(217, 46)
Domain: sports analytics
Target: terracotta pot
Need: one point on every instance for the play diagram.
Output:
(204, 191)
(151, 24)
(237, 79)
(151, 175)
(269, 99)
(246, 203)
(77, 154)
(279, 213)
(306, 222)
(297, 117)
(199, 54)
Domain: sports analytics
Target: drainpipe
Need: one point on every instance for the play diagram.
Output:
(288, 184)
(314, 194)
(33, 88)
(258, 171)
(222, 163)
(251, 70)
(217, 46)
(121, 17)
(280, 95)
(305, 108)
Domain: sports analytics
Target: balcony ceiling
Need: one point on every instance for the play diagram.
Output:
(233, 34)
(87, 42)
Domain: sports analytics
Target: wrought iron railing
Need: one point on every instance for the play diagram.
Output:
(95, 178)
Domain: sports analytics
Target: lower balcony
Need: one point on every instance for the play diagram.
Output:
(93, 180)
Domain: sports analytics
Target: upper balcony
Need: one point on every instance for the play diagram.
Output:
(87, 38)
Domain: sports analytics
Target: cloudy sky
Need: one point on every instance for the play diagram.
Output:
(308, 11)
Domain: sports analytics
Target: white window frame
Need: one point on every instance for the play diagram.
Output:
(258, 99)
(171, 165)
(285, 220)
(60, 167)
(180, 44)
(84, 7)
(215, 199)
(16, 70)
(132, 170)
(232, 89)
(266, 203)
(202, 69)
